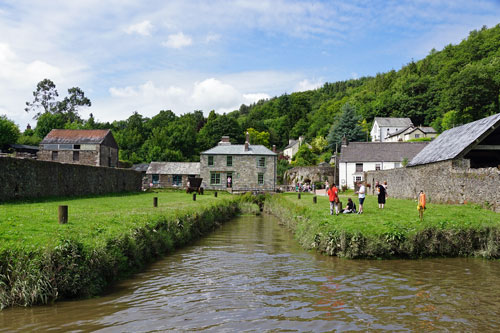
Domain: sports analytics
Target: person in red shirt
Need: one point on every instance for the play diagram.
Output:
(333, 195)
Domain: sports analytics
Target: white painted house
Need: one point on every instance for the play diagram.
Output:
(411, 133)
(293, 147)
(384, 127)
(358, 157)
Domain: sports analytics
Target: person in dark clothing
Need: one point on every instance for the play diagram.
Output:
(381, 194)
(350, 208)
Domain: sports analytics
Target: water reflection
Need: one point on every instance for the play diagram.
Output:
(251, 275)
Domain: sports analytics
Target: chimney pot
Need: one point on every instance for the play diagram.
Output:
(274, 148)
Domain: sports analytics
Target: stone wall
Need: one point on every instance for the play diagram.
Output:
(313, 173)
(27, 178)
(99, 155)
(443, 182)
(244, 172)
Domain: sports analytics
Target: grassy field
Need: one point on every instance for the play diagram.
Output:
(106, 238)
(394, 230)
(91, 220)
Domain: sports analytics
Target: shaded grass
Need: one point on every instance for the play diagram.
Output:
(395, 231)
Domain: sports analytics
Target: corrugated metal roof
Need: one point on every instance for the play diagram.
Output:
(380, 151)
(239, 150)
(453, 142)
(75, 136)
(393, 122)
(174, 168)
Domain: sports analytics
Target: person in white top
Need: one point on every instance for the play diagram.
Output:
(361, 196)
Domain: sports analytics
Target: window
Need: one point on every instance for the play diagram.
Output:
(76, 156)
(260, 179)
(210, 160)
(156, 179)
(214, 178)
(76, 146)
(417, 136)
(65, 146)
(177, 180)
(358, 178)
(54, 155)
(359, 167)
(229, 160)
(377, 166)
(261, 162)
(397, 164)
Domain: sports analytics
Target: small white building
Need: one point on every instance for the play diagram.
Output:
(411, 133)
(358, 157)
(384, 127)
(293, 147)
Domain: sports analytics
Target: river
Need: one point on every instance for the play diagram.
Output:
(250, 275)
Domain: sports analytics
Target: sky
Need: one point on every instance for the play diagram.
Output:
(183, 55)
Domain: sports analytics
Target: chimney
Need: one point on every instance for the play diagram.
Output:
(28, 127)
(224, 141)
(344, 142)
(290, 141)
(274, 149)
(247, 141)
(301, 140)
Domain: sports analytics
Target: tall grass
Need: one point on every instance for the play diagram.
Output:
(395, 231)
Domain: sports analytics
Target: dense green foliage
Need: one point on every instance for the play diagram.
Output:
(395, 231)
(8, 131)
(106, 238)
(456, 85)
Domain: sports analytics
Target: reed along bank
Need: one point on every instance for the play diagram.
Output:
(392, 232)
(106, 238)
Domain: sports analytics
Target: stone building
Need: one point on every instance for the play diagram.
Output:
(461, 165)
(238, 167)
(411, 133)
(89, 147)
(172, 174)
(310, 174)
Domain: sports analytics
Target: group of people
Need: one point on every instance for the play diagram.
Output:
(381, 189)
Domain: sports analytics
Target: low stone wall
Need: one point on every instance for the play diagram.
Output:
(443, 182)
(27, 178)
(313, 173)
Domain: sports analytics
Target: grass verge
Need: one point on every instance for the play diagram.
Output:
(395, 231)
(106, 238)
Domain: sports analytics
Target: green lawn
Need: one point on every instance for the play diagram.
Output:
(447, 230)
(91, 219)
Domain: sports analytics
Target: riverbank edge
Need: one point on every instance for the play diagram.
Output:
(430, 242)
(71, 270)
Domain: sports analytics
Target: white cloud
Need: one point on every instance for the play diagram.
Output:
(143, 28)
(177, 41)
(308, 85)
(212, 38)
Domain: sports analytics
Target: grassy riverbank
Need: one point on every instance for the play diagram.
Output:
(447, 230)
(106, 238)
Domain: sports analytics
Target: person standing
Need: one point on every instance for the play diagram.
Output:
(361, 197)
(421, 204)
(381, 194)
(334, 199)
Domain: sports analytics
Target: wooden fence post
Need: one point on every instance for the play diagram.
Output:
(155, 202)
(63, 214)
(194, 196)
(315, 199)
(215, 194)
(298, 196)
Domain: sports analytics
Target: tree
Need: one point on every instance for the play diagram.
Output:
(216, 127)
(9, 132)
(348, 126)
(71, 103)
(44, 98)
(47, 122)
(319, 144)
(258, 138)
(304, 157)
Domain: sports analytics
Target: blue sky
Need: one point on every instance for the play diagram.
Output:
(130, 55)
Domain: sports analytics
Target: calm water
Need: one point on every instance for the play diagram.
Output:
(252, 276)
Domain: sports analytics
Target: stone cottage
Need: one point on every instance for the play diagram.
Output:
(238, 167)
(383, 127)
(172, 174)
(89, 147)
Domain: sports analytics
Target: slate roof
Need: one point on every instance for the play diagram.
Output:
(76, 136)
(239, 150)
(142, 167)
(428, 129)
(399, 132)
(456, 141)
(393, 122)
(380, 151)
(174, 168)
(292, 143)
